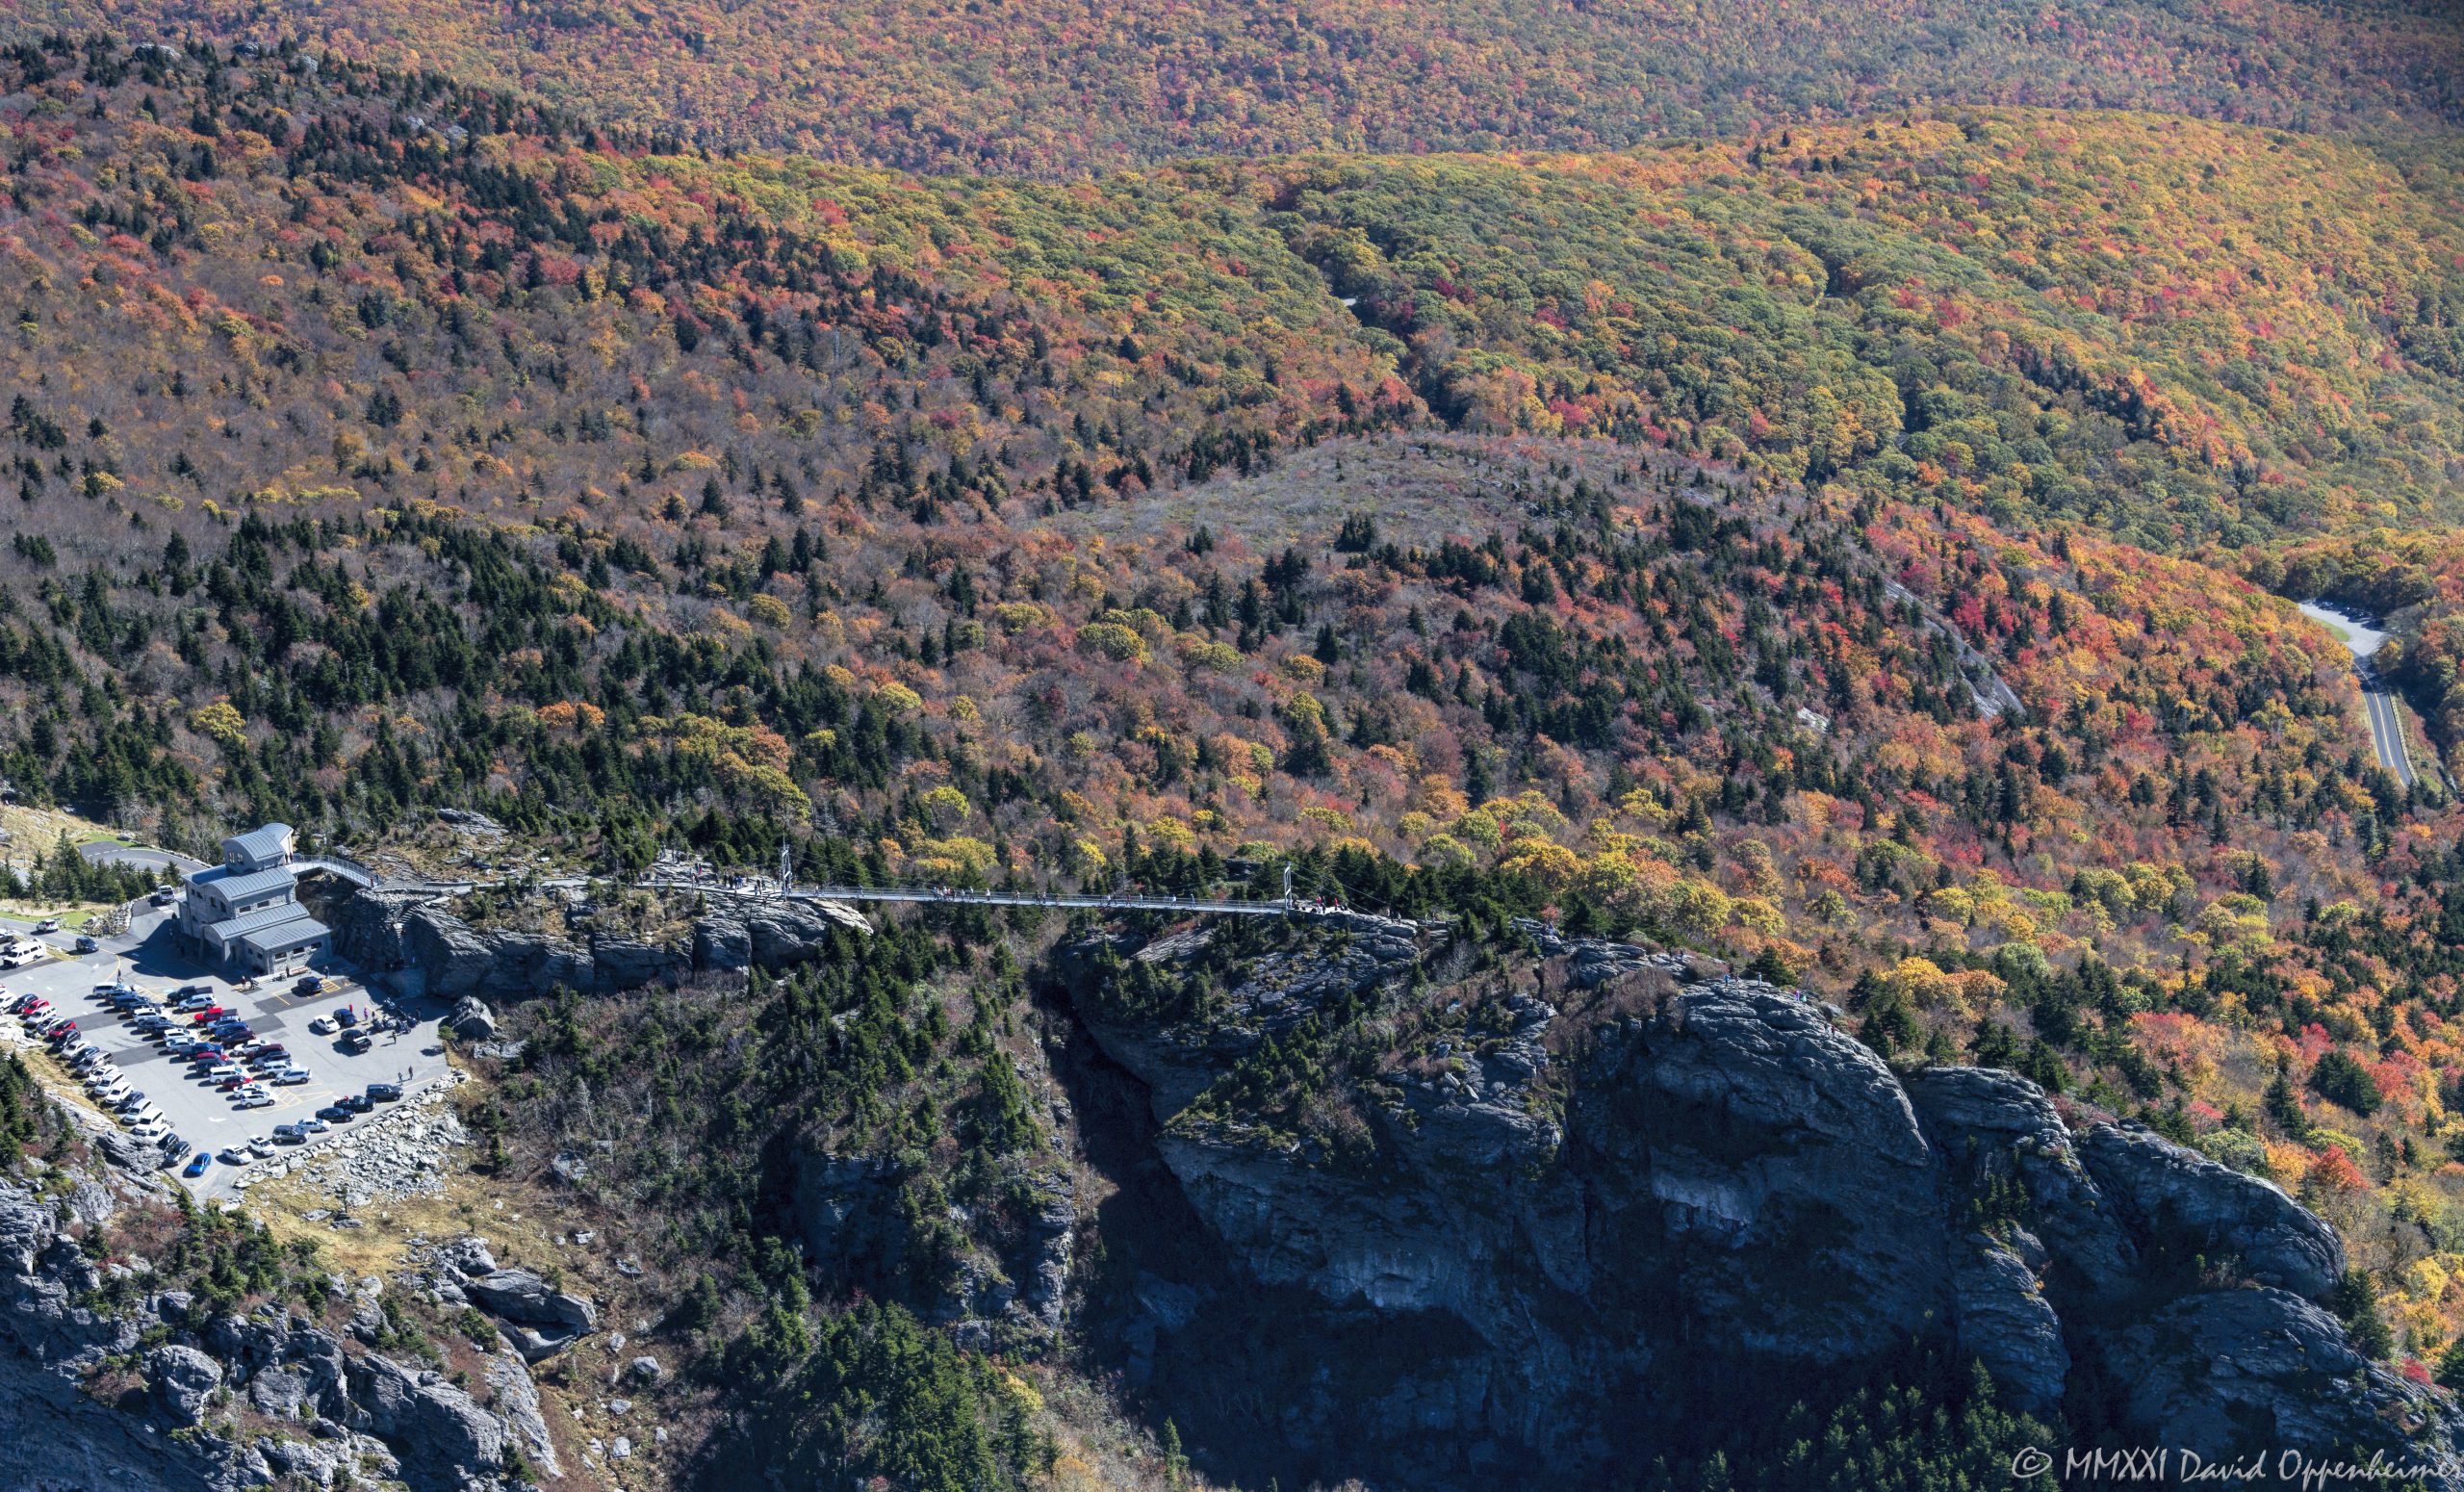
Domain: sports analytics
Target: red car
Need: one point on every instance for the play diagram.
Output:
(236, 1080)
(211, 1012)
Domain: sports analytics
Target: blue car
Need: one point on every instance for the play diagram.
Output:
(197, 1167)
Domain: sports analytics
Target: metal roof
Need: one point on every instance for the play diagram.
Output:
(285, 935)
(232, 929)
(235, 888)
(271, 841)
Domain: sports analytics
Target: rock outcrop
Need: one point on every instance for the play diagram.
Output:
(1644, 1173)
(418, 946)
(343, 1411)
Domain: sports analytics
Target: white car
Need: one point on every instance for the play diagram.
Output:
(233, 1155)
(220, 1071)
(154, 1128)
(254, 1098)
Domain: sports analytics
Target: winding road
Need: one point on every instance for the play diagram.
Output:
(2378, 703)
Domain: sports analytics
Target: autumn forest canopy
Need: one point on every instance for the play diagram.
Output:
(1825, 488)
(1062, 87)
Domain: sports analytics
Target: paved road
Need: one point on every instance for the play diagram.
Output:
(2378, 705)
(2386, 728)
(111, 852)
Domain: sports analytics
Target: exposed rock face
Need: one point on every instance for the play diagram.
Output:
(848, 1211)
(354, 1410)
(181, 1380)
(419, 946)
(2218, 1372)
(1588, 1209)
(2163, 1188)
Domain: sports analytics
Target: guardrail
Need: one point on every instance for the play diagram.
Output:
(957, 896)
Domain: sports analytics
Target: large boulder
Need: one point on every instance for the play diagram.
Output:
(523, 1297)
(182, 1380)
(471, 1019)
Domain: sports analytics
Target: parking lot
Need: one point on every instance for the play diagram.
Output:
(146, 959)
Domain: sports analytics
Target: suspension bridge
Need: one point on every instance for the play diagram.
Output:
(1289, 905)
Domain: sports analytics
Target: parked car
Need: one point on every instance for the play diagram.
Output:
(314, 1127)
(257, 1148)
(197, 1167)
(232, 1155)
(172, 1147)
(308, 983)
(347, 1016)
(236, 1081)
(322, 1026)
(220, 1071)
(208, 1015)
(357, 1103)
(384, 1093)
(290, 1077)
(356, 1042)
(254, 1098)
(336, 1113)
(149, 1129)
(185, 990)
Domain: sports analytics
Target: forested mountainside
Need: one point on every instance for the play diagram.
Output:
(1857, 554)
(2182, 331)
(1052, 87)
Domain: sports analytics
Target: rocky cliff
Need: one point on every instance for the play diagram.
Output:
(137, 1387)
(415, 944)
(1600, 1182)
